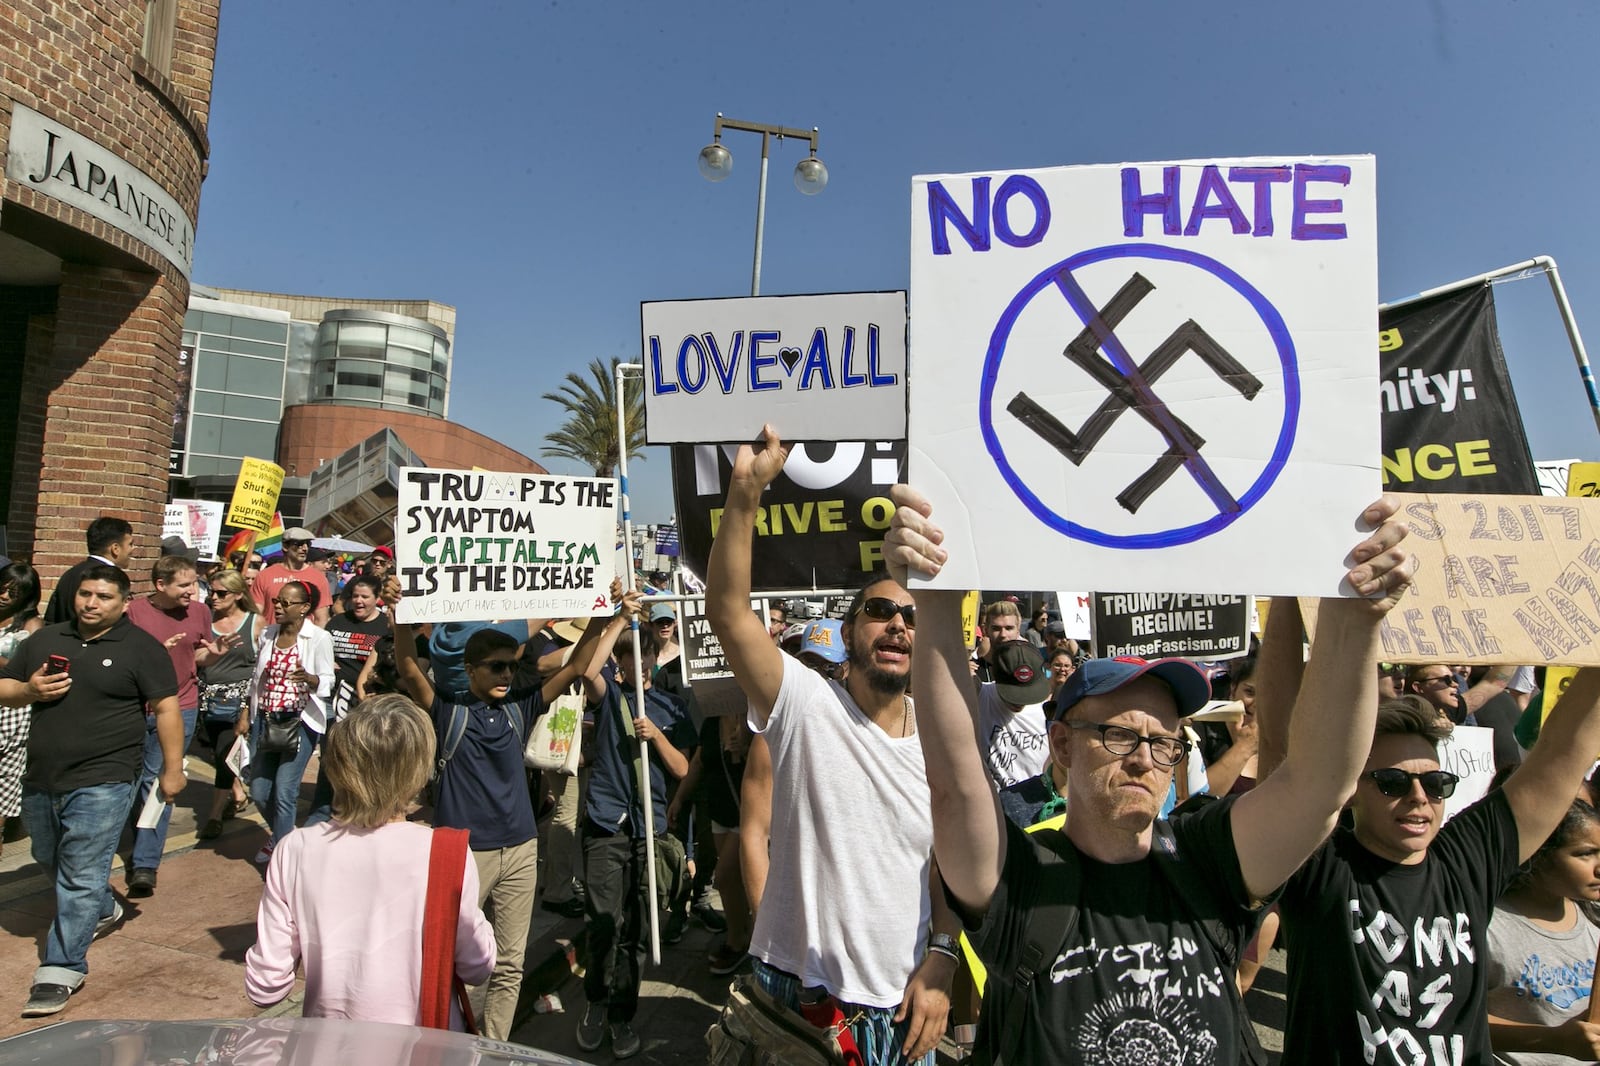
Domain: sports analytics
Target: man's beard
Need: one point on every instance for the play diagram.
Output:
(877, 679)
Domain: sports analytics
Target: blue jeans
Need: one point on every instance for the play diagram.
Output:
(148, 844)
(275, 779)
(878, 1036)
(74, 834)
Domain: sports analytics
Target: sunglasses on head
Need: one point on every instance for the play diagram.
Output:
(882, 609)
(1394, 782)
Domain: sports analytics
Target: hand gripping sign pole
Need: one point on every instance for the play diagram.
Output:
(1516, 272)
(638, 668)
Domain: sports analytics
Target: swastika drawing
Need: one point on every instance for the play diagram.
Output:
(1130, 385)
(1133, 391)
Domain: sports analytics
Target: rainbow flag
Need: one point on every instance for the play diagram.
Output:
(266, 544)
(271, 542)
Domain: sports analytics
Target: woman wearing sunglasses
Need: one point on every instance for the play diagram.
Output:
(1542, 944)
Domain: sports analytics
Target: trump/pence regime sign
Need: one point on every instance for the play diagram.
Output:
(1148, 373)
(825, 368)
(472, 545)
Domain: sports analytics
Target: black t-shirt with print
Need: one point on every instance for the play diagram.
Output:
(353, 642)
(1384, 959)
(1138, 979)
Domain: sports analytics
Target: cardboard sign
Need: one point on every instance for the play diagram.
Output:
(196, 523)
(703, 659)
(1469, 754)
(255, 495)
(816, 367)
(1149, 373)
(1500, 579)
(821, 523)
(1157, 625)
(476, 546)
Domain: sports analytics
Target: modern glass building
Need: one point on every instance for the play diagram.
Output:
(236, 358)
(376, 359)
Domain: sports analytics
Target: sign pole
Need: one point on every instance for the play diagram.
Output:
(645, 800)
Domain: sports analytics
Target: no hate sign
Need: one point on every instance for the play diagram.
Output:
(1109, 369)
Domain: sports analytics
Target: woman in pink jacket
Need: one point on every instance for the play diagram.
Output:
(346, 897)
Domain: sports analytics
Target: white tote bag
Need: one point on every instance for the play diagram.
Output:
(556, 737)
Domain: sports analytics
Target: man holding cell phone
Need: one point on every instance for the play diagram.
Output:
(88, 680)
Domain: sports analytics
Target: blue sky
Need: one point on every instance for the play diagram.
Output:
(534, 164)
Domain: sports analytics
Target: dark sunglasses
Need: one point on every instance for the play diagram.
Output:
(1394, 782)
(882, 609)
(498, 666)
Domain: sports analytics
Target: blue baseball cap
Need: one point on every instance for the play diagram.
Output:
(1097, 677)
(824, 637)
(663, 611)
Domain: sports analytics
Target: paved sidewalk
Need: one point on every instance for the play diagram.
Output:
(179, 954)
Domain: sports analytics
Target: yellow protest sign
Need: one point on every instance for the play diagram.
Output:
(1583, 479)
(969, 617)
(255, 495)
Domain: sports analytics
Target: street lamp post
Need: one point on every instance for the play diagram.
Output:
(716, 163)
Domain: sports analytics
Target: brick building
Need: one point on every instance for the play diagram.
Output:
(103, 113)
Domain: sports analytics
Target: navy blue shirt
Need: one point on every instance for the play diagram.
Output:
(484, 788)
(613, 802)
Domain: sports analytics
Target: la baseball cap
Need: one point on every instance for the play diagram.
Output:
(824, 637)
(1019, 673)
(1096, 677)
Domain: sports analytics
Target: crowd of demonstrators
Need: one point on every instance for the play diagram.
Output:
(19, 618)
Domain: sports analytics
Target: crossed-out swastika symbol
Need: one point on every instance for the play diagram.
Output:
(1130, 389)
(1033, 476)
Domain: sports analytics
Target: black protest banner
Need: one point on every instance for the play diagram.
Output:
(1154, 625)
(821, 523)
(1450, 419)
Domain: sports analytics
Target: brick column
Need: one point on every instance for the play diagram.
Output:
(105, 380)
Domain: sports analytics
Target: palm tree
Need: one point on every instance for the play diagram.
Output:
(589, 435)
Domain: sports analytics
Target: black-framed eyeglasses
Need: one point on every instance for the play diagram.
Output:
(1120, 740)
(882, 609)
(1395, 782)
(499, 666)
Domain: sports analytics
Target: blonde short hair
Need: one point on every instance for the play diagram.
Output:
(378, 757)
(1001, 609)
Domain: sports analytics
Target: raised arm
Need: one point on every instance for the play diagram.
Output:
(1280, 665)
(757, 663)
(1491, 684)
(968, 832)
(1542, 788)
(600, 646)
(412, 678)
(1279, 823)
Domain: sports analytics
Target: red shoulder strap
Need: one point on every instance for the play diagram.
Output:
(447, 857)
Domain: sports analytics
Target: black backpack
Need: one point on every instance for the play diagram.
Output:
(1051, 923)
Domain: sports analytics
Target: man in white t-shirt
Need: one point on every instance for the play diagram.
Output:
(1011, 723)
(845, 915)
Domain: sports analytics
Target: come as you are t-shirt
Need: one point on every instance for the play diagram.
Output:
(1138, 971)
(1387, 962)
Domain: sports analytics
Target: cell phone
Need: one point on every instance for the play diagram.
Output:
(57, 664)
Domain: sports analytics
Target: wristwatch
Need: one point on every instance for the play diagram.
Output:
(945, 943)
